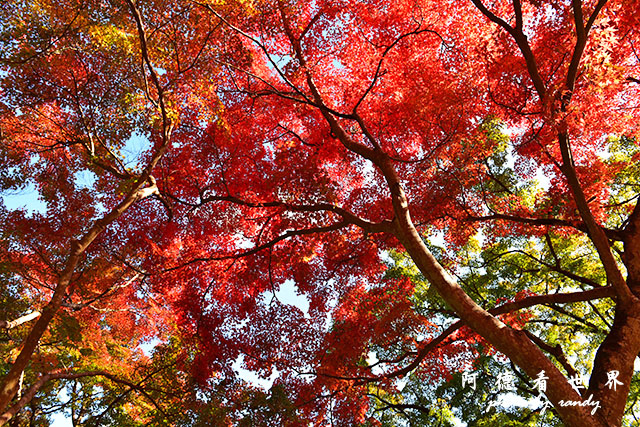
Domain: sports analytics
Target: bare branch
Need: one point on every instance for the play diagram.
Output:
(596, 232)
(521, 41)
(56, 375)
(604, 292)
(4, 324)
(348, 217)
(267, 245)
(377, 73)
(582, 31)
(556, 222)
(554, 351)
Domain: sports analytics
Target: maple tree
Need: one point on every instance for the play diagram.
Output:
(322, 144)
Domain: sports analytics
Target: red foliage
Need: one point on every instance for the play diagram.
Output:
(256, 189)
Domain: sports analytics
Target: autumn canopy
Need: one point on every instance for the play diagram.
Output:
(296, 213)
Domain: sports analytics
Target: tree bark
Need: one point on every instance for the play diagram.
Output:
(10, 383)
(9, 386)
(513, 343)
(10, 324)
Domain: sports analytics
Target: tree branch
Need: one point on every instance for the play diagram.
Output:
(555, 222)
(138, 192)
(564, 298)
(4, 324)
(56, 375)
(521, 41)
(348, 217)
(503, 309)
(267, 245)
(596, 233)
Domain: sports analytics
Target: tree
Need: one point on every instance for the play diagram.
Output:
(323, 144)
